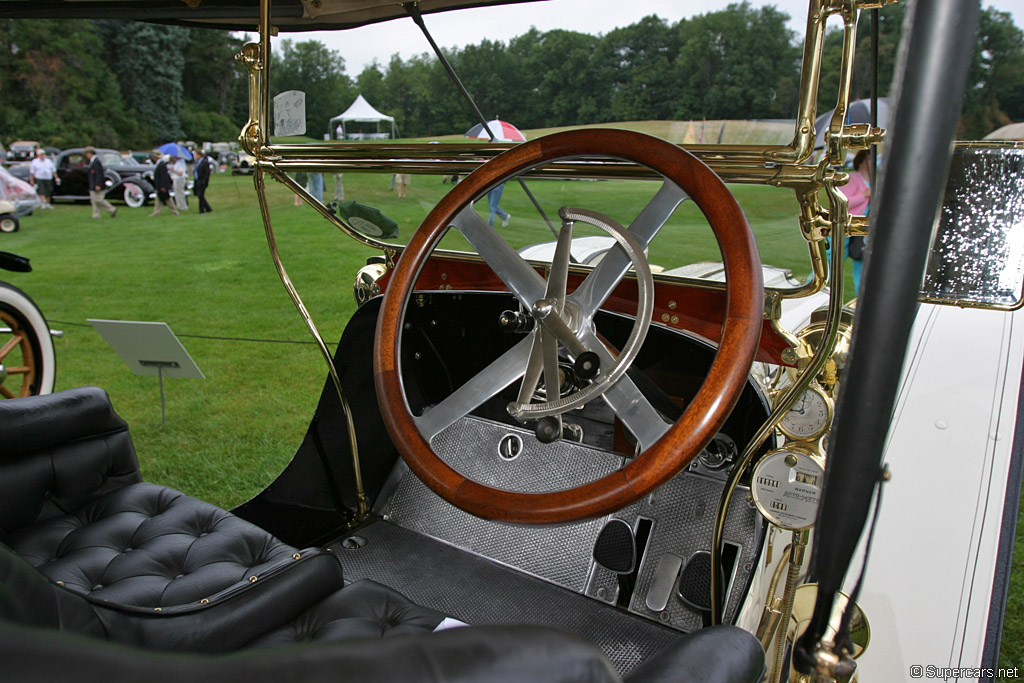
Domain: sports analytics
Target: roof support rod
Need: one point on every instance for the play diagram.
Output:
(874, 94)
(930, 79)
(412, 11)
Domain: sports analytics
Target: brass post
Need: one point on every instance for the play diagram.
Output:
(255, 138)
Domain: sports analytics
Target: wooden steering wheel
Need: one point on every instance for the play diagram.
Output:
(668, 448)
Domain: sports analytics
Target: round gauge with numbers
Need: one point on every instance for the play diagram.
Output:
(809, 417)
(786, 487)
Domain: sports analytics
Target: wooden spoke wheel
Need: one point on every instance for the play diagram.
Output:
(26, 349)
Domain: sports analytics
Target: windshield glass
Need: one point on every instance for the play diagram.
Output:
(733, 77)
(556, 73)
(685, 240)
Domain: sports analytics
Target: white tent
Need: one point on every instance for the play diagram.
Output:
(361, 111)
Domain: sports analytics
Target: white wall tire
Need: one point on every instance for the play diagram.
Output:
(8, 224)
(135, 194)
(29, 366)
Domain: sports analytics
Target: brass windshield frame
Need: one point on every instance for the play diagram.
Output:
(784, 166)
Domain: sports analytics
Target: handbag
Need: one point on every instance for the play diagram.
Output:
(855, 247)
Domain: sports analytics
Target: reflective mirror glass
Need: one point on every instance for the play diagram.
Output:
(977, 256)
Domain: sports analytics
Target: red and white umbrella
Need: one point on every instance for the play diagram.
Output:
(503, 132)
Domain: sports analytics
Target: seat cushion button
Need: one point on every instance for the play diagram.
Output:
(296, 556)
(252, 579)
(97, 587)
(204, 601)
(180, 576)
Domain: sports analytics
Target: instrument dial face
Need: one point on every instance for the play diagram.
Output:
(787, 487)
(809, 417)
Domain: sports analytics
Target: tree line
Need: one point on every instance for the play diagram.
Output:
(738, 63)
(127, 84)
(118, 83)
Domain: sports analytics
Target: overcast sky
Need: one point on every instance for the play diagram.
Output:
(459, 28)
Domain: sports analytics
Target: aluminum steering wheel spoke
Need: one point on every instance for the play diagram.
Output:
(598, 285)
(626, 399)
(502, 372)
(518, 275)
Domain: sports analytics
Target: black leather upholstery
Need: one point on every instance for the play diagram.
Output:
(29, 598)
(483, 654)
(43, 423)
(78, 511)
(148, 546)
(148, 566)
(711, 655)
(58, 452)
(42, 628)
(364, 609)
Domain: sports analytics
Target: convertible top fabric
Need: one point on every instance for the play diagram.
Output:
(241, 15)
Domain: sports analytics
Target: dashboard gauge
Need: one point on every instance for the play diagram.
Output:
(809, 417)
(787, 486)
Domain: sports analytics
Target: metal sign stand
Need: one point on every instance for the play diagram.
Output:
(160, 365)
(149, 348)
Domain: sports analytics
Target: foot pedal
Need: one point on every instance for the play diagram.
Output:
(694, 587)
(615, 548)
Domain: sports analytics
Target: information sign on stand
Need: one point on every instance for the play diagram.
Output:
(149, 348)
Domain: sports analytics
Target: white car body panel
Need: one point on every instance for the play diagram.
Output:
(935, 552)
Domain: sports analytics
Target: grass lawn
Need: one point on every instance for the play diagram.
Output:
(212, 276)
(211, 279)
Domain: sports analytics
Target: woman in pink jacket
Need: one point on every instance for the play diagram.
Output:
(858, 191)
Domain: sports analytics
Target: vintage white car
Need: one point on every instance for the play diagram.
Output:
(740, 476)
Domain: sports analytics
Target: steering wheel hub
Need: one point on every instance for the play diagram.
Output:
(556, 331)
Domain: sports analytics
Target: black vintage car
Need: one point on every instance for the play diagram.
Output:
(21, 150)
(127, 179)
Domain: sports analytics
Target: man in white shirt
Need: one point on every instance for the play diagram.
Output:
(41, 172)
(178, 171)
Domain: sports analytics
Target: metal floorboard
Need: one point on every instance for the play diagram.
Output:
(478, 591)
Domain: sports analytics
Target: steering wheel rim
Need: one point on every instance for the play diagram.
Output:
(702, 418)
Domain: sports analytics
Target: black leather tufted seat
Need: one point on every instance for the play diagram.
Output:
(73, 506)
(99, 569)
(148, 546)
(276, 612)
